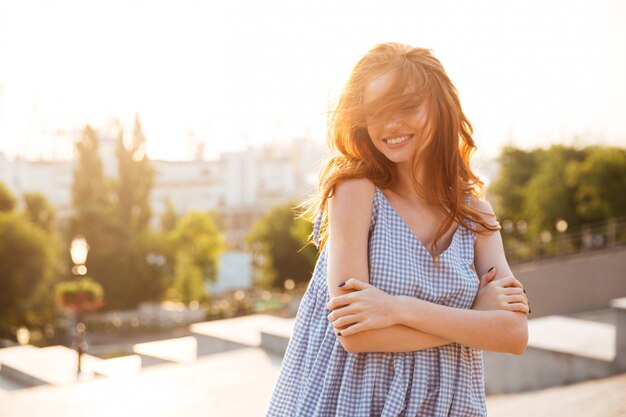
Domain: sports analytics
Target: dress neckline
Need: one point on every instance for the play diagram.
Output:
(413, 235)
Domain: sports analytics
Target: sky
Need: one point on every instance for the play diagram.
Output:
(242, 73)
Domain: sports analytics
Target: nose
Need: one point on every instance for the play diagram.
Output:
(393, 123)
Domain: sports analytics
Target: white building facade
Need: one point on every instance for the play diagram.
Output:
(239, 186)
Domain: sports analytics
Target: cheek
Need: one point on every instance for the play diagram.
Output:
(419, 119)
(373, 130)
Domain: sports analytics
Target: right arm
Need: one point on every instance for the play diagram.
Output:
(349, 217)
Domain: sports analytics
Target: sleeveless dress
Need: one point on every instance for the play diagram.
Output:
(319, 378)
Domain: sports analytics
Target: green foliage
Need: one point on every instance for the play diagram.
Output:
(188, 280)
(601, 184)
(280, 239)
(517, 167)
(113, 214)
(90, 189)
(542, 186)
(547, 195)
(135, 181)
(26, 256)
(7, 199)
(39, 211)
(126, 272)
(198, 238)
(169, 218)
(81, 294)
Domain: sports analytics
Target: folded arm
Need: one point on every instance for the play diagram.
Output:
(349, 212)
(405, 323)
(491, 329)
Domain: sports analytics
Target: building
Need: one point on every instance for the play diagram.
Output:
(238, 186)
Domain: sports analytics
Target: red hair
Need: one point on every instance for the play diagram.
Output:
(445, 157)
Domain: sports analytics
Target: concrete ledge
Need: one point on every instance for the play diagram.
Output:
(561, 350)
(576, 280)
(242, 330)
(540, 368)
(116, 367)
(272, 343)
(276, 334)
(567, 335)
(180, 350)
(22, 377)
(619, 306)
(55, 365)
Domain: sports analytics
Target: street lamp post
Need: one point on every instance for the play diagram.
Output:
(79, 250)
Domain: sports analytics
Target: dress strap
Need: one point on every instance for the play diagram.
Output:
(317, 226)
(467, 200)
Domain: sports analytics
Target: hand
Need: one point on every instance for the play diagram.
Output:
(505, 293)
(487, 278)
(365, 308)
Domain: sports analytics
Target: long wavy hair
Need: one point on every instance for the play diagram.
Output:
(445, 157)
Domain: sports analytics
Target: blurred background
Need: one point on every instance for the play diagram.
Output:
(152, 153)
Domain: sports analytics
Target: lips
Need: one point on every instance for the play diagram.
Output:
(397, 139)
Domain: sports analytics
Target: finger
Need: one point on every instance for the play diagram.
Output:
(355, 328)
(522, 308)
(513, 299)
(487, 277)
(339, 301)
(490, 275)
(509, 281)
(340, 312)
(346, 321)
(513, 291)
(516, 291)
(354, 284)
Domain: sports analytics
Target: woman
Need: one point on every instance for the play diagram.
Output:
(395, 319)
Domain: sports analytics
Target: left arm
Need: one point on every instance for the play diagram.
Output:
(494, 330)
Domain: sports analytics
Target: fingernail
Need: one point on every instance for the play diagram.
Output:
(342, 284)
(338, 333)
(490, 269)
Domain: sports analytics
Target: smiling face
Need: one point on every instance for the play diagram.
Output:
(398, 130)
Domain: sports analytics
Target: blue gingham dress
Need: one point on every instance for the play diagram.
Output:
(319, 378)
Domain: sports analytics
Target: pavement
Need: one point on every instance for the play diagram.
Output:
(597, 398)
(231, 384)
(239, 382)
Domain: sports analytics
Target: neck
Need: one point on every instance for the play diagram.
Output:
(403, 185)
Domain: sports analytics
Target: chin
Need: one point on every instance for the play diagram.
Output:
(399, 159)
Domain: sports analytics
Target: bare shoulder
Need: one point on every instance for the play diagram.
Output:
(488, 246)
(358, 190)
(487, 214)
(350, 207)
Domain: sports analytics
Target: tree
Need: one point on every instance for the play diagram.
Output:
(600, 181)
(542, 186)
(198, 238)
(517, 167)
(7, 199)
(135, 181)
(169, 218)
(281, 241)
(28, 259)
(188, 279)
(39, 211)
(90, 188)
(548, 197)
(113, 214)
(132, 278)
(94, 212)
(26, 256)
